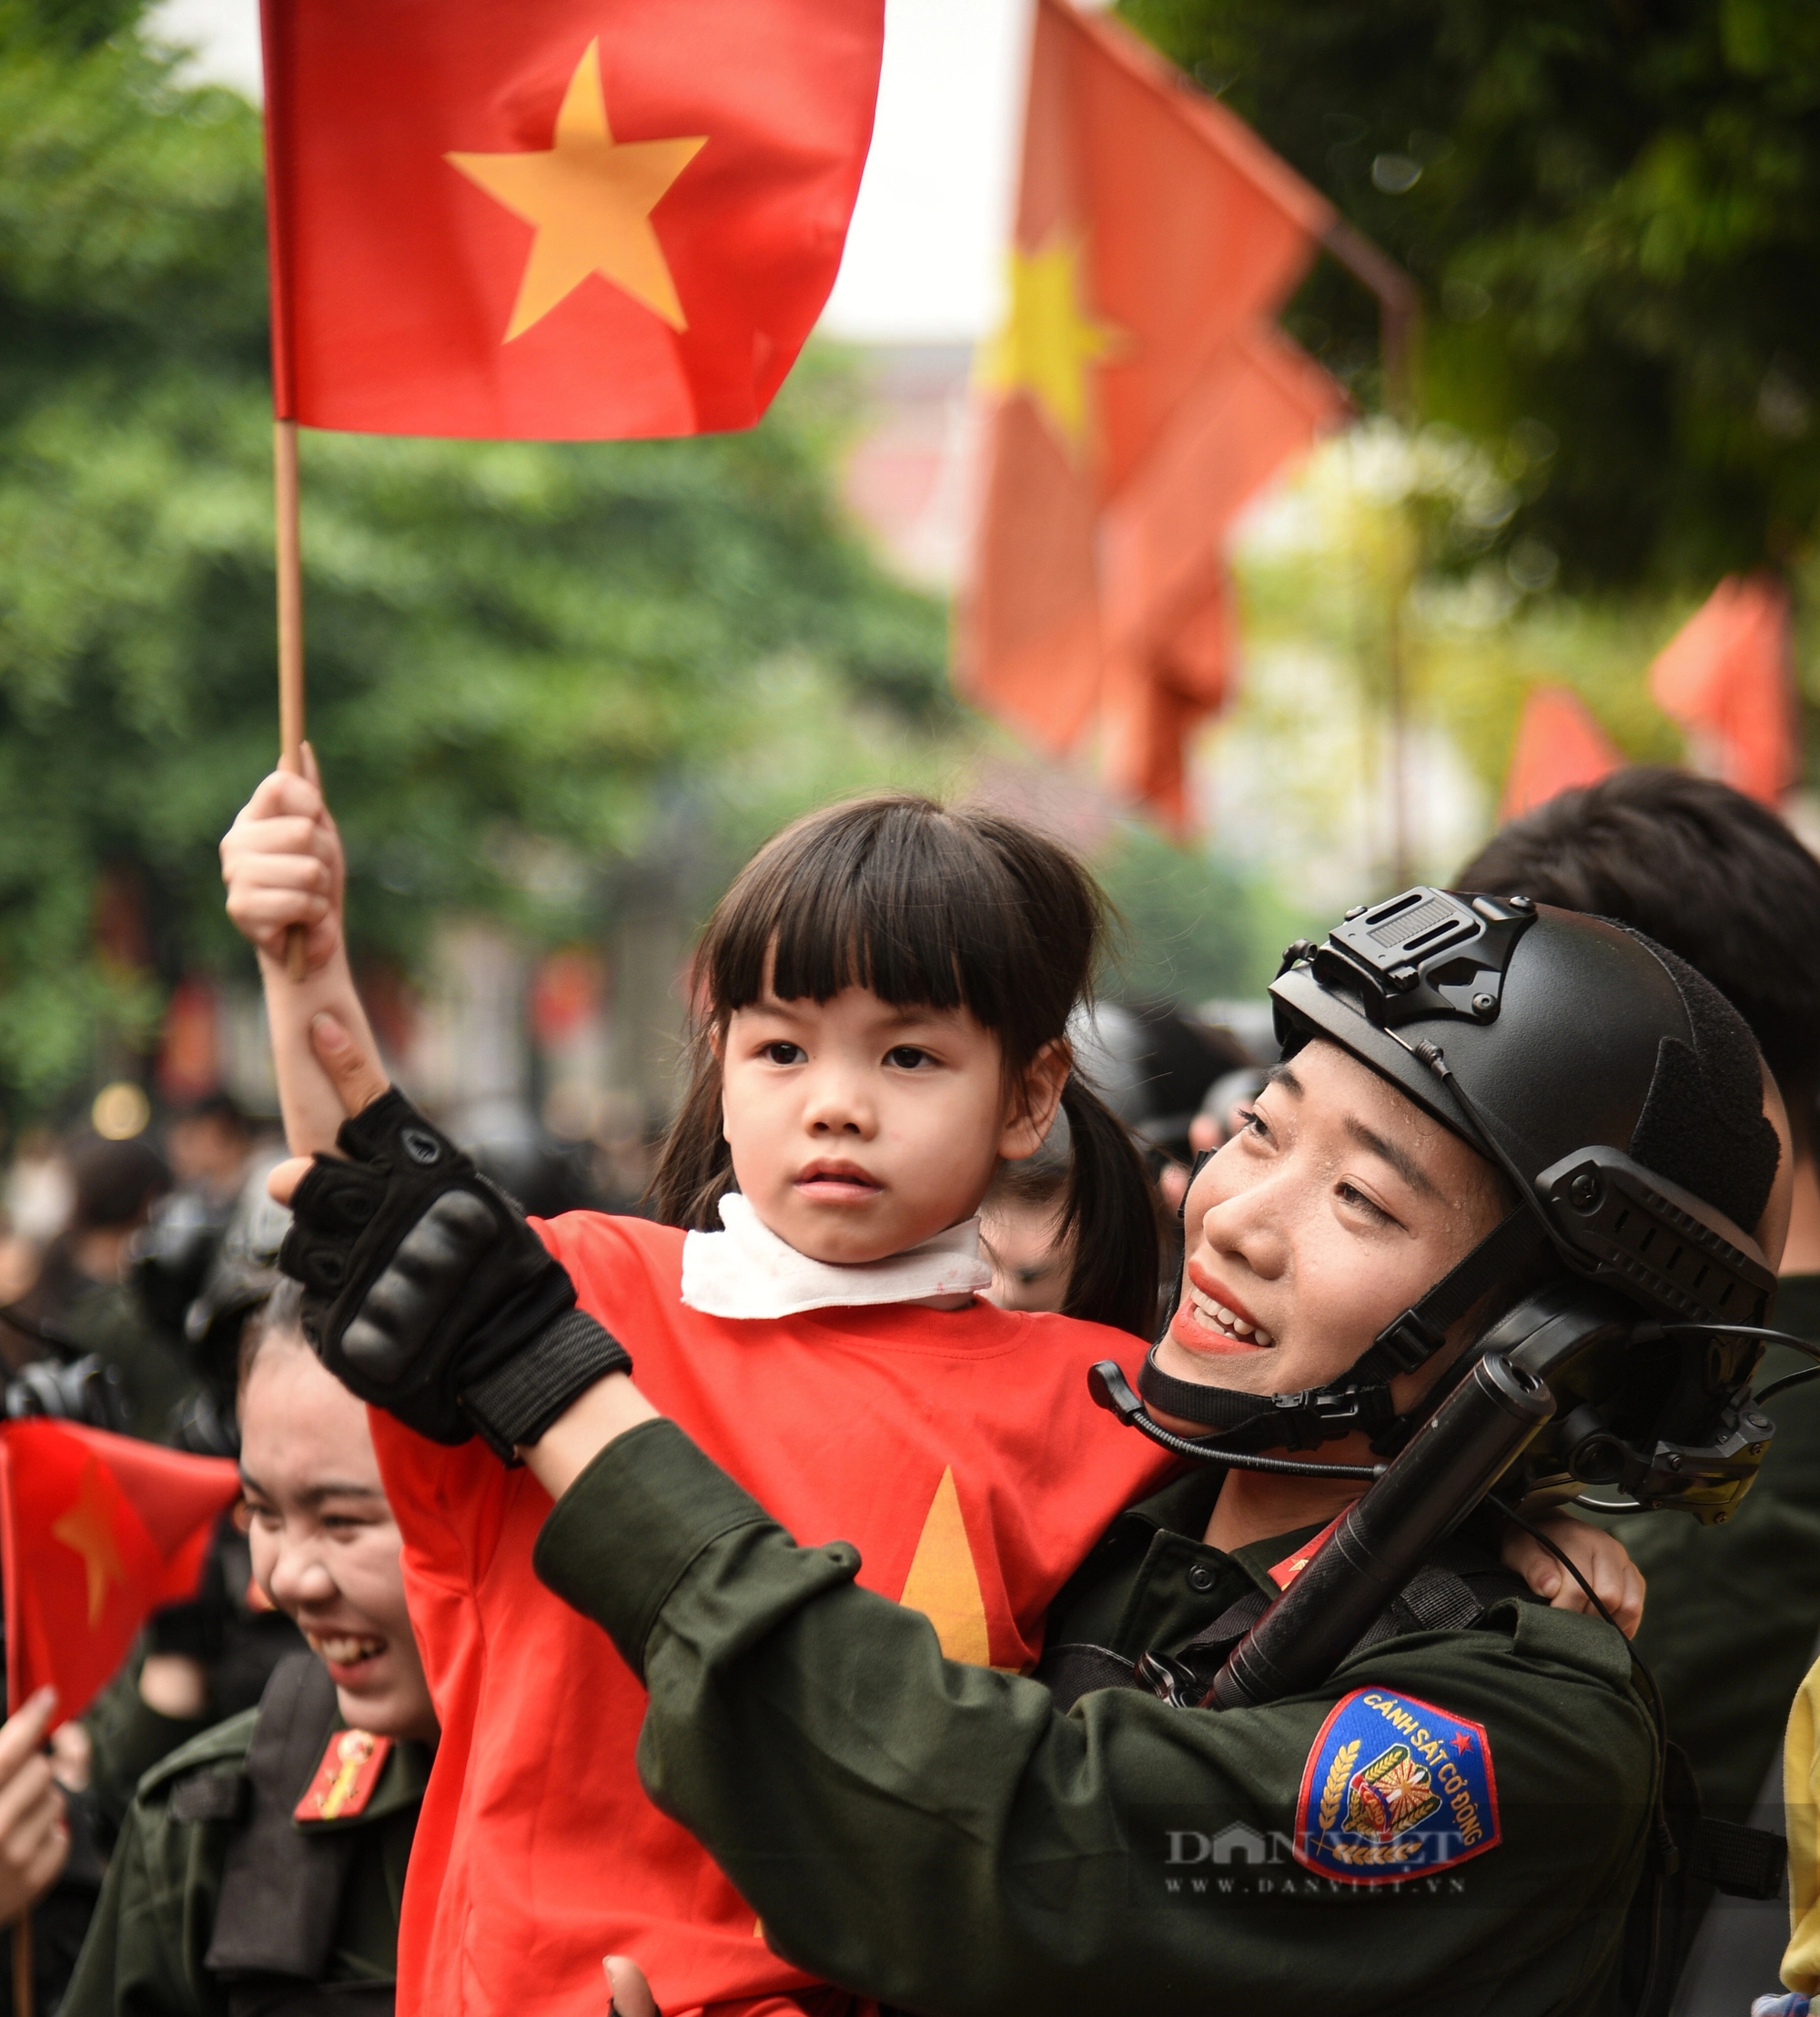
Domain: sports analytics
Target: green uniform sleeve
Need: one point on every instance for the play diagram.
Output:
(1733, 1611)
(937, 1836)
(128, 1737)
(143, 1954)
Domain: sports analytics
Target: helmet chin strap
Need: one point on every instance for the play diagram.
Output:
(1361, 1398)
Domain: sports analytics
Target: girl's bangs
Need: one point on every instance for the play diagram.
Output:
(911, 905)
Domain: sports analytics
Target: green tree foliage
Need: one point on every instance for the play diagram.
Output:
(1614, 212)
(525, 660)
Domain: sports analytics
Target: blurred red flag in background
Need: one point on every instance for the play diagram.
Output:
(1168, 619)
(556, 219)
(97, 1532)
(1558, 746)
(1727, 677)
(1140, 398)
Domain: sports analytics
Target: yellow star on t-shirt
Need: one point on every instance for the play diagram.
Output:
(88, 1527)
(944, 1584)
(1050, 341)
(590, 197)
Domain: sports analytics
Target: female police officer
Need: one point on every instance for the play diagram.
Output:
(1459, 1815)
(262, 1866)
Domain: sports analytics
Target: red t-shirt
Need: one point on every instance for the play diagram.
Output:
(957, 1449)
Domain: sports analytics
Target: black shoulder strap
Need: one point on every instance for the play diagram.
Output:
(1435, 1600)
(1742, 1862)
(281, 1889)
(1688, 1847)
(1068, 1672)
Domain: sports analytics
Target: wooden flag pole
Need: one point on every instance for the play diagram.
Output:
(291, 636)
(22, 1964)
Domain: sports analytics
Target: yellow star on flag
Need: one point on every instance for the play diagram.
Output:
(1050, 341)
(88, 1527)
(590, 197)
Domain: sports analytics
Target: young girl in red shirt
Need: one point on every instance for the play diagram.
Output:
(881, 1001)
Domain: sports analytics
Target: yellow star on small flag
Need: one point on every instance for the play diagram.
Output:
(590, 197)
(88, 1527)
(1049, 341)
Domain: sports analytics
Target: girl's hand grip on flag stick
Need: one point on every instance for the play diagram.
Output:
(282, 863)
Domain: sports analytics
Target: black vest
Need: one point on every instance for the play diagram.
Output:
(281, 1887)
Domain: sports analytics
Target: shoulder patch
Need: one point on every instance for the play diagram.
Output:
(343, 1783)
(1395, 1788)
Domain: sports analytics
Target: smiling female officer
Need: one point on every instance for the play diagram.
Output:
(261, 1867)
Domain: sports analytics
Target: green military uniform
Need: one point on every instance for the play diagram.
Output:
(943, 1837)
(1733, 1611)
(1729, 1629)
(219, 1903)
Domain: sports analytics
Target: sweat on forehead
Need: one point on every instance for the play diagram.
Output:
(925, 905)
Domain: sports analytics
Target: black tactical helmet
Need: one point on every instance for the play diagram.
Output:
(1617, 1090)
(1561, 1030)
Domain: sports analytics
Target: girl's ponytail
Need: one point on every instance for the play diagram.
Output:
(1109, 1220)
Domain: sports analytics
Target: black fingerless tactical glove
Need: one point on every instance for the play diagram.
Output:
(426, 1291)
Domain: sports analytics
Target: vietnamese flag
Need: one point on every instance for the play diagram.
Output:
(1167, 618)
(1137, 394)
(1559, 746)
(1727, 675)
(97, 1532)
(556, 219)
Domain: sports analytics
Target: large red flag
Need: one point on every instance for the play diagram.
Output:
(1728, 676)
(1169, 634)
(1558, 746)
(562, 220)
(97, 1532)
(1155, 235)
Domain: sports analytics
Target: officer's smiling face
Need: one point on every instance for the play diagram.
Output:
(1327, 1215)
(326, 1548)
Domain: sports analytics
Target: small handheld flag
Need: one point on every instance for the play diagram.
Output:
(97, 1532)
(1559, 745)
(555, 220)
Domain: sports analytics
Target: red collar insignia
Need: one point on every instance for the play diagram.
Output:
(344, 1780)
(1282, 1574)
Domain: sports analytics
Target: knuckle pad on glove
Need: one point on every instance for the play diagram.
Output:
(420, 1278)
(340, 1197)
(403, 1307)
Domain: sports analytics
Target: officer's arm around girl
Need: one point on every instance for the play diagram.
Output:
(814, 1017)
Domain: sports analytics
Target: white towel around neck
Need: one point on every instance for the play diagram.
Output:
(748, 1271)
